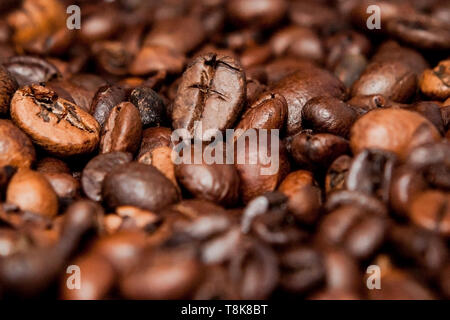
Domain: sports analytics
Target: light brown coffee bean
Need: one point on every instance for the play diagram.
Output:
(16, 148)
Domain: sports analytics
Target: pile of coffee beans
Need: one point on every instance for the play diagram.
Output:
(354, 94)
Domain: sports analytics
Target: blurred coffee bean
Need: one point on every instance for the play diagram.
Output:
(157, 58)
(138, 185)
(67, 188)
(55, 124)
(346, 43)
(212, 91)
(430, 210)
(122, 130)
(435, 83)
(314, 15)
(8, 86)
(30, 191)
(263, 13)
(30, 70)
(12, 242)
(296, 181)
(97, 168)
(305, 204)
(398, 131)
(17, 149)
(432, 112)
(337, 174)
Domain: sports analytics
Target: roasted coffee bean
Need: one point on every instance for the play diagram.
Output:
(341, 271)
(55, 124)
(255, 55)
(346, 43)
(138, 185)
(435, 83)
(17, 149)
(296, 181)
(375, 101)
(431, 210)
(30, 70)
(99, 25)
(255, 89)
(432, 112)
(98, 278)
(337, 174)
(95, 171)
(122, 130)
(67, 188)
(316, 150)
(357, 231)
(30, 191)
(52, 165)
(72, 92)
(269, 111)
(263, 13)
(306, 83)
(147, 281)
(257, 173)
(212, 92)
(371, 172)
(134, 217)
(420, 31)
(150, 105)
(425, 248)
(398, 131)
(106, 98)
(214, 182)
(314, 15)
(112, 56)
(8, 86)
(392, 72)
(357, 199)
(302, 268)
(12, 242)
(305, 204)
(329, 115)
(298, 42)
(350, 68)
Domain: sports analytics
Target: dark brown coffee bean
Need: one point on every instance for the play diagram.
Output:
(393, 72)
(350, 68)
(122, 130)
(341, 270)
(370, 102)
(55, 124)
(337, 174)
(254, 90)
(212, 91)
(67, 188)
(95, 171)
(329, 115)
(153, 138)
(283, 67)
(260, 176)
(357, 231)
(298, 42)
(371, 172)
(346, 43)
(97, 279)
(106, 98)
(52, 165)
(306, 83)
(113, 56)
(30, 70)
(255, 55)
(444, 281)
(316, 150)
(314, 15)
(398, 131)
(420, 31)
(147, 281)
(435, 83)
(30, 191)
(138, 185)
(263, 13)
(431, 210)
(17, 149)
(355, 198)
(73, 93)
(8, 86)
(426, 249)
(305, 204)
(432, 112)
(150, 105)
(214, 182)
(267, 112)
(302, 268)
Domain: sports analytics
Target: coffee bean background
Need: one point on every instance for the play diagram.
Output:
(87, 179)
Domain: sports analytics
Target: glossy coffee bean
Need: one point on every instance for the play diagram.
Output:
(150, 106)
(212, 91)
(392, 72)
(106, 98)
(97, 168)
(269, 111)
(398, 131)
(138, 185)
(329, 115)
(8, 86)
(30, 70)
(30, 191)
(306, 83)
(55, 124)
(122, 130)
(17, 149)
